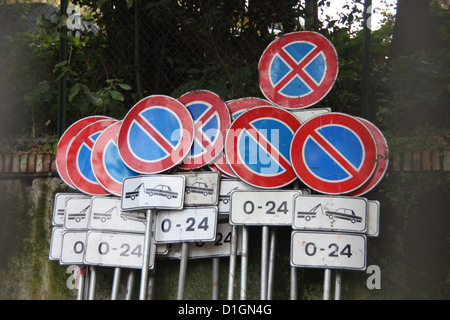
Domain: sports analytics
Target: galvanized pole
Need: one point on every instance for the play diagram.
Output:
(146, 260)
(232, 267)
(87, 275)
(293, 283)
(130, 283)
(62, 81)
(264, 261)
(337, 285)
(92, 283)
(271, 272)
(183, 267)
(80, 281)
(244, 263)
(366, 68)
(327, 284)
(215, 278)
(115, 285)
(293, 280)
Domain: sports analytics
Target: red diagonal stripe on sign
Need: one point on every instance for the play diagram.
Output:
(155, 135)
(342, 161)
(199, 134)
(88, 142)
(267, 146)
(297, 69)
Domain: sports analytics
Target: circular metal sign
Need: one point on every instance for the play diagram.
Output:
(211, 119)
(155, 135)
(65, 141)
(298, 69)
(258, 144)
(79, 166)
(333, 153)
(107, 165)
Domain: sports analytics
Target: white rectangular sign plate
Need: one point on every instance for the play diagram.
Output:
(268, 208)
(373, 221)
(306, 114)
(187, 225)
(221, 247)
(107, 215)
(73, 247)
(153, 192)
(59, 206)
(330, 213)
(202, 188)
(56, 243)
(227, 186)
(77, 213)
(328, 250)
(113, 249)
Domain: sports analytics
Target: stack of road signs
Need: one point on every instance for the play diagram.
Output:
(248, 143)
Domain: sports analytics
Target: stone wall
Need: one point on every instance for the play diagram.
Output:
(411, 251)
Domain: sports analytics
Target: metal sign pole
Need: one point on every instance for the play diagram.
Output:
(151, 283)
(146, 261)
(273, 234)
(86, 284)
(327, 284)
(293, 283)
(130, 283)
(337, 285)
(232, 267)
(244, 263)
(264, 261)
(92, 283)
(215, 278)
(183, 267)
(115, 285)
(80, 280)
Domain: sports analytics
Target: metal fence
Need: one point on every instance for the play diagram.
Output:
(120, 51)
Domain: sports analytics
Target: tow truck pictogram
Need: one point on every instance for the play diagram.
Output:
(78, 216)
(133, 194)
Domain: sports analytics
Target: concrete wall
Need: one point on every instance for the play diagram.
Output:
(411, 251)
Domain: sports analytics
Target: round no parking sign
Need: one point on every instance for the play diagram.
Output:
(298, 69)
(334, 153)
(155, 135)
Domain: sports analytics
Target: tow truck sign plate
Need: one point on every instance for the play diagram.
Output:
(269, 208)
(59, 206)
(347, 214)
(106, 214)
(77, 213)
(153, 192)
(328, 250)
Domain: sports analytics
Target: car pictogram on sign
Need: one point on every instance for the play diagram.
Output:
(199, 187)
(161, 190)
(344, 214)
